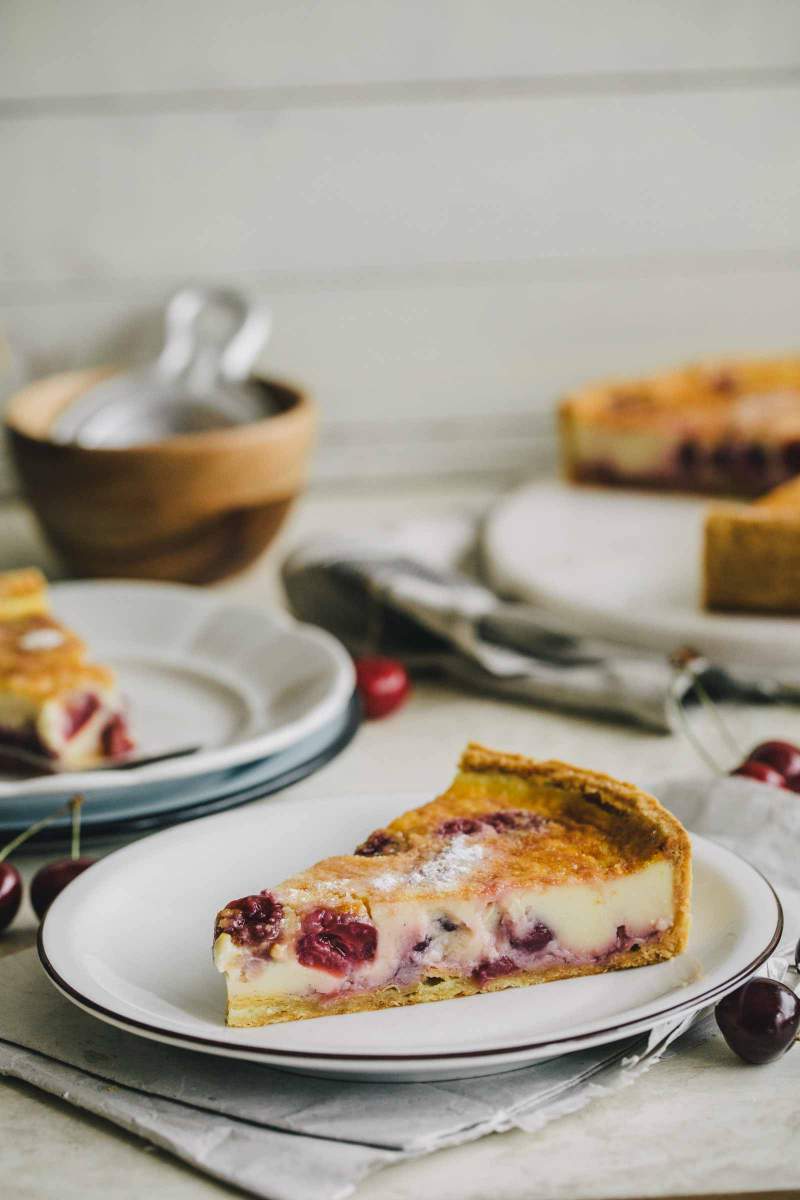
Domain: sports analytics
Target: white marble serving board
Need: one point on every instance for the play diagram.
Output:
(625, 565)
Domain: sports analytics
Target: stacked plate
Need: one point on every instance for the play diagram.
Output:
(262, 699)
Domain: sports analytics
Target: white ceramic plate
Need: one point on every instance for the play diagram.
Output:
(624, 565)
(109, 812)
(130, 941)
(197, 670)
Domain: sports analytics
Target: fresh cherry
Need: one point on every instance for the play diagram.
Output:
(10, 893)
(783, 757)
(762, 772)
(383, 685)
(760, 1020)
(10, 878)
(51, 879)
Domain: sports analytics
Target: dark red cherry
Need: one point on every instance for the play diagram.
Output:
(252, 921)
(383, 685)
(10, 893)
(754, 458)
(783, 757)
(51, 879)
(723, 456)
(335, 941)
(116, 738)
(760, 1020)
(378, 843)
(761, 772)
(515, 819)
(493, 969)
(689, 455)
(460, 825)
(534, 939)
(79, 711)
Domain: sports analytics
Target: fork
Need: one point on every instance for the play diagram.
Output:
(39, 762)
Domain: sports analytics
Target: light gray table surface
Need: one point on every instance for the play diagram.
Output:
(699, 1124)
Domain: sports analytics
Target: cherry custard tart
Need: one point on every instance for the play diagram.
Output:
(522, 872)
(53, 702)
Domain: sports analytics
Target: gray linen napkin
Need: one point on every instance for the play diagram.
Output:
(277, 1135)
(288, 1137)
(415, 590)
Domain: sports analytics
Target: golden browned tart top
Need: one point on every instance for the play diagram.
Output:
(755, 395)
(22, 593)
(40, 658)
(555, 823)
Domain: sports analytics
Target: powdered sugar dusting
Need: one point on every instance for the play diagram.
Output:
(441, 873)
(41, 639)
(387, 881)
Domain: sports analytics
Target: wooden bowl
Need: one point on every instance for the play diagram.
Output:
(193, 508)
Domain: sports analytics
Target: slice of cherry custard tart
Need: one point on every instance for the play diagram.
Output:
(522, 872)
(54, 702)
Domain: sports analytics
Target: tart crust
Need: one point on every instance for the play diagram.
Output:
(752, 554)
(577, 828)
(23, 593)
(730, 427)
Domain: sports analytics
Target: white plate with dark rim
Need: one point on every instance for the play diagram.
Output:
(196, 669)
(626, 565)
(130, 942)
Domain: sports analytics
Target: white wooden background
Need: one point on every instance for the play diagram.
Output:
(458, 208)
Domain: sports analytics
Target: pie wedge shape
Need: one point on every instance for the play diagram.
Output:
(524, 871)
(53, 701)
(731, 427)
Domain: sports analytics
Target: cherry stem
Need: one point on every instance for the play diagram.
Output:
(685, 662)
(75, 805)
(686, 725)
(16, 842)
(372, 637)
(712, 708)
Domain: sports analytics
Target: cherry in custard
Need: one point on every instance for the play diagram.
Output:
(336, 941)
(252, 921)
